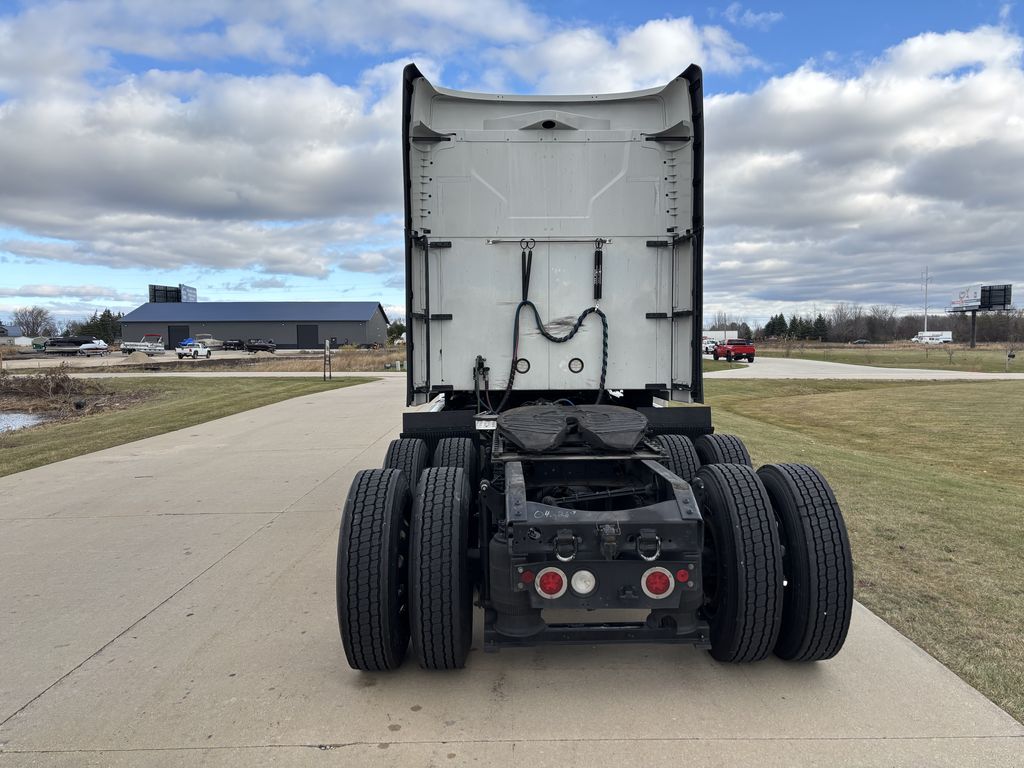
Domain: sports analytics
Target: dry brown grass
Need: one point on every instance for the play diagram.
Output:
(990, 358)
(341, 360)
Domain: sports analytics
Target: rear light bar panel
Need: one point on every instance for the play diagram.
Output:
(620, 584)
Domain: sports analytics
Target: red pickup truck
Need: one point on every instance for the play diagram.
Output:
(735, 349)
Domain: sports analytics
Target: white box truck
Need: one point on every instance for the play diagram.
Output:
(933, 337)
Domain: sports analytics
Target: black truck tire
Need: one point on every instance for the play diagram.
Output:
(681, 457)
(817, 563)
(458, 452)
(372, 578)
(441, 600)
(721, 449)
(743, 563)
(409, 454)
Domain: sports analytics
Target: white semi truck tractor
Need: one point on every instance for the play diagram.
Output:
(553, 252)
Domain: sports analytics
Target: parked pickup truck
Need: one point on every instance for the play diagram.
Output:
(260, 345)
(735, 349)
(234, 344)
(151, 344)
(193, 349)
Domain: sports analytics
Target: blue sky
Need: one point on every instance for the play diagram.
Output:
(252, 150)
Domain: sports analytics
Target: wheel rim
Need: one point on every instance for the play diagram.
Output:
(710, 573)
(711, 568)
(402, 566)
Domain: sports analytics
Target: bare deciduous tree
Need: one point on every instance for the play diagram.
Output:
(34, 321)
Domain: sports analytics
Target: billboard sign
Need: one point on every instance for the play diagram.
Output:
(966, 299)
(996, 296)
(188, 293)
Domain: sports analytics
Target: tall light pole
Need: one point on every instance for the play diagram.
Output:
(925, 279)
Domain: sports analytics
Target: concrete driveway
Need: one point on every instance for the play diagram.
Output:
(793, 368)
(171, 602)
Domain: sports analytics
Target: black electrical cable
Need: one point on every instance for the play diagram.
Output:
(526, 256)
(557, 340)
(486, 391)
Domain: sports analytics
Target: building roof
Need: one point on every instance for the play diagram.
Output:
(10, 330)
(254, 312)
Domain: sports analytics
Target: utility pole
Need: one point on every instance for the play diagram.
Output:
(925, 279)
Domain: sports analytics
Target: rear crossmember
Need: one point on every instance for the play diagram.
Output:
(636, 559)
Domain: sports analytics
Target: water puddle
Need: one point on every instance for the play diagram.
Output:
(12, 421)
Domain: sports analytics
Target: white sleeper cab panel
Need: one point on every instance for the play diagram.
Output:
(498, 187)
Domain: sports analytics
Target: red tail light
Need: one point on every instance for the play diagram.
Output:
(551, 583)
(657, 582)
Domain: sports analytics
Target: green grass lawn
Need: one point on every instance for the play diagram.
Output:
(167, 404)
(930, 477)
(942, 357)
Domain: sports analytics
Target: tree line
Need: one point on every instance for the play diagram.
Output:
(845, 322)
(38, 321)
(878, 323)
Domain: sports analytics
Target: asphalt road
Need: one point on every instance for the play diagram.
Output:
(171, 602)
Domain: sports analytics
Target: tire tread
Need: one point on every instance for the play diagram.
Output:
(681, 457)
(721, 449)
(409, 455)
(759, 562)
(441, 608)
(826, 554)
(370, 640)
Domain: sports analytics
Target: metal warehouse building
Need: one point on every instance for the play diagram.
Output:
(291, 324)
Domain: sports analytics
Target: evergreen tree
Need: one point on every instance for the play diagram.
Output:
(102, 325)
(820, 327)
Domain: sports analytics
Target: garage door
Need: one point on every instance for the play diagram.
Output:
(308, 336)
(176, 334)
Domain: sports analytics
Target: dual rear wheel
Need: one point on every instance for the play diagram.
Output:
(778, 575)
(416, 585)
(777, 567)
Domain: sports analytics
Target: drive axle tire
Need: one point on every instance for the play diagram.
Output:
(441, 589)
(817, 563)
(721, 449)
(742, 569)
(458, 452)
(372, 593)
(410, 455)
(680, 455)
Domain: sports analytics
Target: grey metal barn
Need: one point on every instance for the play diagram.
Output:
(291, 324)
